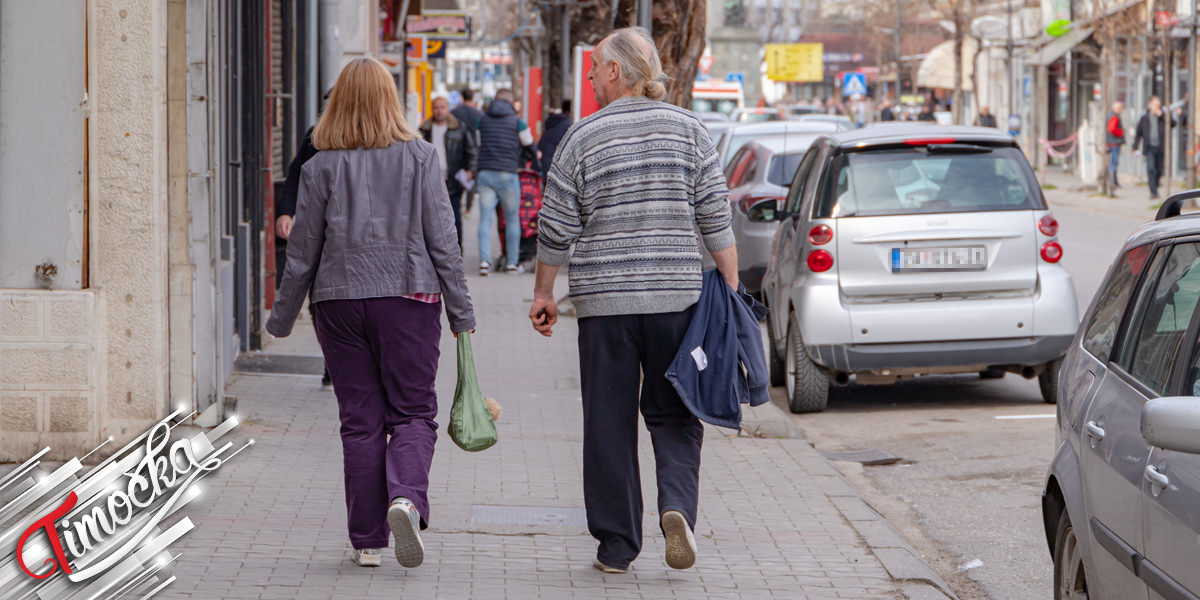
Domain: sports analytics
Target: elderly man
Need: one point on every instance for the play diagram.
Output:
(455, 147)
(628, 188)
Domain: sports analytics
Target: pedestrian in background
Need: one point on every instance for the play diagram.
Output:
(1114, 138)
(555, 128)
(373, 245)
(1150, 136)
(635, 277)
(985, 118)
(467, 112)
(926, 113)
(885, 111)
(455, 146)
(504, 139)
(285, 213)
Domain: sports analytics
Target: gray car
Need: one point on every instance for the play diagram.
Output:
(909, 251)
(739, 135)
(1121, 506)
(758, 176)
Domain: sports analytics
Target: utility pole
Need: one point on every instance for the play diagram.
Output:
(1012, 88)
(1189, 132)
(565, 51)
(645, 14)
(899, 68)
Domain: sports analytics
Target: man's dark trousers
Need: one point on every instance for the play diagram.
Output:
(455, 190)
(620, 356)
(1154, 168)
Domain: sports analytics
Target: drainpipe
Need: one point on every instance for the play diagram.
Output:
(312, 90)
(330, 44)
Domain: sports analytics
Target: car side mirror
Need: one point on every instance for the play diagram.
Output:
(764, 211)
(1172, 423)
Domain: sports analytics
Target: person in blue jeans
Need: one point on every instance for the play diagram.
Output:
(503, 140)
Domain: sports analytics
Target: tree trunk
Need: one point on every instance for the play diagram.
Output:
(679, 33)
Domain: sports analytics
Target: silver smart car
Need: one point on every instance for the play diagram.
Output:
(905, 251)
(1121, 506)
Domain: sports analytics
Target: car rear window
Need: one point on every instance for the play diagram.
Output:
(782, 168)
(928, 179)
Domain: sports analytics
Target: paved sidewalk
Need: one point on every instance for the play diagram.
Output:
(1131, 201)
(776, 520)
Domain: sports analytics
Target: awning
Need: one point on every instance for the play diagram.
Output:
(937, 68)
(1058, 47)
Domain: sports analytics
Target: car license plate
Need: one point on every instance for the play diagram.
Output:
(925, 260)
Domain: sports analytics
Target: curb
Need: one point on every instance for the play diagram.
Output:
(916, 578)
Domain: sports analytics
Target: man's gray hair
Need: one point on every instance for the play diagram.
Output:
(641, 69)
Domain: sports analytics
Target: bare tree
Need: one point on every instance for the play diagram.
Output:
(960, 13)
(678, 31)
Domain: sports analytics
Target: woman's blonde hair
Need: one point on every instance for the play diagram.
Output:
(364, 110)
(641, 68)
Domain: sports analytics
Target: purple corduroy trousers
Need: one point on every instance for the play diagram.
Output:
(382, 355)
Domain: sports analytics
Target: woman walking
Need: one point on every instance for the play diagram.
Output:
(375, 245)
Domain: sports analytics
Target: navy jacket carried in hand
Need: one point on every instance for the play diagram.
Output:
(721, 363)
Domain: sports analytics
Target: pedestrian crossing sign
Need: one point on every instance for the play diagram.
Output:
(854, 83)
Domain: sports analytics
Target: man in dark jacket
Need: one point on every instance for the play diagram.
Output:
(1151, 135)
(985, 118)
(285, 210)
(467, 112)
(1114, 138)
(557, 125)
(455, 146)
(503, 139)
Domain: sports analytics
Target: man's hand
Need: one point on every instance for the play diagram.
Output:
(726, 260)
(283, 226)
(544, 314)
(472, 332)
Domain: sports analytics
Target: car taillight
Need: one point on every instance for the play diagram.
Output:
(820, 235)
(928, 141)
(820, 261)
(1051, 252)
(1048, 226)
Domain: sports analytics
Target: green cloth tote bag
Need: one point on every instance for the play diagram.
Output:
(471, 425)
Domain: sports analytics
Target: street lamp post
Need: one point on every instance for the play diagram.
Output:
(1012, 101)
(645, 14)
(896, 41)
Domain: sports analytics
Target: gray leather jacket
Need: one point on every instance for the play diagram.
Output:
(373, 224)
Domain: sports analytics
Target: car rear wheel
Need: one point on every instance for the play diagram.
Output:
(1048, 381)
(1070, 577)
(807, 384)
(778, 366)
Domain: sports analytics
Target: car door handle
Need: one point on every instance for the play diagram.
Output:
(1094, 431)
(1156, 478)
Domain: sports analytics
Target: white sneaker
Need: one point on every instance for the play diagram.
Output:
(368, 557)
(515, 269)
(484, 268)
(681, 545)
(607, 569)
(406, 530)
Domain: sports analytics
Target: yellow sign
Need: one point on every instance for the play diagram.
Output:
(795, 62)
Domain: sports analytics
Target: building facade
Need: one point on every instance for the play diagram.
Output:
(142, 145)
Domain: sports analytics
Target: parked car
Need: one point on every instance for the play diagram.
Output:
(717, 128)
(713, 117)
(739, 134)
(756, 115)
(1120, 502)
(912, 251)
(796, 110)
(843, 123)
(758, 176)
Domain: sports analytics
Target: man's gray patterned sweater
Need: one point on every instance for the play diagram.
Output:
(629, 187)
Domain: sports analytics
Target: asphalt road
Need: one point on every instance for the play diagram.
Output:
(968, 490)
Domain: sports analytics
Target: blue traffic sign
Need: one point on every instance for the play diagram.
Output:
(737, 78)
(854, 83)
